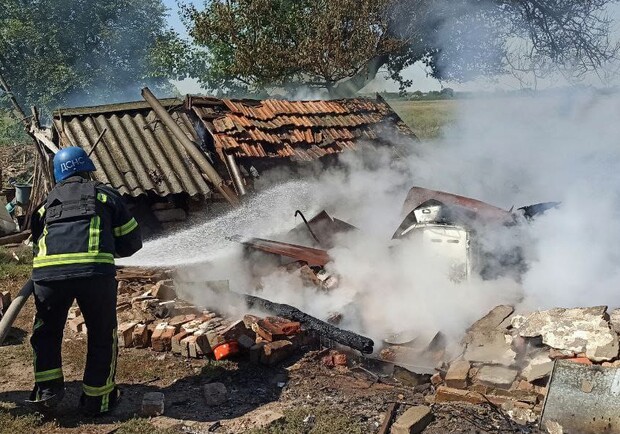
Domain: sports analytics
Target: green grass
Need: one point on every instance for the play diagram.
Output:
(14, 422)
(426, 118)
(142, 426)
(11, 268)
(327, 420)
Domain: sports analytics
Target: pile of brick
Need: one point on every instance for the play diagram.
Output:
(508, 359)
(152, 316)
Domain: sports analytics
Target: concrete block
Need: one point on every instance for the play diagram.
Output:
(153, 404)
(164, 290)
(457, 374)
(496, 376)
(413, 421)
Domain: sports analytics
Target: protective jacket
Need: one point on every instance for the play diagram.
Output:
(79, 231)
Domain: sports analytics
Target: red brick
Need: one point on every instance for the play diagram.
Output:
(340, 359)
(162, 338)
(582, 360)
(248, 320)
(179, 320)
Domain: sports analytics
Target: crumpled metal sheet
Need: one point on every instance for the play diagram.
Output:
(313, 257)
(583, 398)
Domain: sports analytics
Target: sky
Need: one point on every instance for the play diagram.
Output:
(418, 72)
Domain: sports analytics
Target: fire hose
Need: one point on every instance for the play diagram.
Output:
(14, 308)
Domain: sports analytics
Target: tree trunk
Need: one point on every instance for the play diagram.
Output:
(351, 86)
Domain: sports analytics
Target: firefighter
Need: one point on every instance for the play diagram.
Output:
(79, 230)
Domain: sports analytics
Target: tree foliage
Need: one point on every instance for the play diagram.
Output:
(341, 45)
(70, 52)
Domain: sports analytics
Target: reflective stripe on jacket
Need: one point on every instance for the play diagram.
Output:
(80, 229)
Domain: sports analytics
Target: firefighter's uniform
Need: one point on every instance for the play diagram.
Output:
(77, 234)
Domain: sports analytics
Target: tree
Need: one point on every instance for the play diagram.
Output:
(79, 52)
(342, 45)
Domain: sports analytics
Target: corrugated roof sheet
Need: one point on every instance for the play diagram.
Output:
(300, 130)
(137, 154)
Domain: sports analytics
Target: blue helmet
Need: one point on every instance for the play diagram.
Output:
(69, 161)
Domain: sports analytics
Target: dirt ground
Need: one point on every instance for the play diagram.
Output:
(312, 397)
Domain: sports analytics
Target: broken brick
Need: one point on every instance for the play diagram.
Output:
(179, 320)
(162, 337)
(340, 359)
(275, 352)
(215, 339)
(125, 334)
(249, 320)
(184, 345)
(234, 331)
(140, 336)
(328, 361)
(273, 329)
(413, 421)
(457, 374)
(78, 325)
(176, 341)
(436, 379)
(583, 360)
(199, 346)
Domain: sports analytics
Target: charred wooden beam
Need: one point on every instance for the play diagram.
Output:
(344, 337)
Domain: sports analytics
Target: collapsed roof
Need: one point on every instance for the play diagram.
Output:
(138, 155)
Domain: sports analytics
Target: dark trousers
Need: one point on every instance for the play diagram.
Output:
(96, 298)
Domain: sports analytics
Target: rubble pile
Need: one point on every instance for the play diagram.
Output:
(152, 316)
(508, 358)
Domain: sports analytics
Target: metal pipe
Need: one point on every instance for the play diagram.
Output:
(307, 225)
(235, 174)
(191, 147)
(14, 308)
